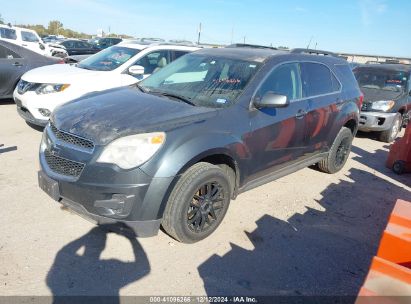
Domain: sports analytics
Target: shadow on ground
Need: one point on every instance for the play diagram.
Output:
(6, 101)
(75, 274)
(376, 161)
(316, 253)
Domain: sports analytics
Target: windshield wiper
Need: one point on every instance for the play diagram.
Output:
(84, 67)
(141, 88)
(181, 98)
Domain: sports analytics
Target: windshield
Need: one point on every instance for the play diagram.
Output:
(381, 79)
(108, 59)
(203, 80)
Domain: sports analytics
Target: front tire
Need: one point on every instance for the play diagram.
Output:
(197, 204)
(392, 133)
(339, 152)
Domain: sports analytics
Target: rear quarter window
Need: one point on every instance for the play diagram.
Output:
(8, 33)
(317, 79)
(346, 76)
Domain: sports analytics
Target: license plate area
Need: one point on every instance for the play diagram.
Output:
(48, 185)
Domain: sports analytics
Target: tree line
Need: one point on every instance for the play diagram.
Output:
(55, 27)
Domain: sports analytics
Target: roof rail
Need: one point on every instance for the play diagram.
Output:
(254, 46)
(313, 52)
(387, 61)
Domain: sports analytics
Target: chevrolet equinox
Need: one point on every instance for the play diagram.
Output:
(175, 149)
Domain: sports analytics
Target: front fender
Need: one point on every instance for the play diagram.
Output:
(175, 161)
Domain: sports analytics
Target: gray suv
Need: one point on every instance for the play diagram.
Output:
(175, 149)
(387, 98)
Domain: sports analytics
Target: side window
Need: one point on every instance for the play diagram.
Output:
(79, 45)
(7, 33)
(29, 37)
(68, 44)
(346, 75)
(5, 53)
(317, 79)
(178, 54)
(284, 80)
(154, 61)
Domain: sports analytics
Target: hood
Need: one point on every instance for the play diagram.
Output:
(103, 117)
(371, 95)
(60, 73)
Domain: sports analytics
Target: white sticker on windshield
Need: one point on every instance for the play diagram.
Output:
(253, 66)
(221, 100)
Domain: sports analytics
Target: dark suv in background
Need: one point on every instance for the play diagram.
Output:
(387, 98)
(176, 148)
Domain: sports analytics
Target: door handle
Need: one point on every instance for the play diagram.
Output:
(300, 114)
(18, 64)
(24, 44)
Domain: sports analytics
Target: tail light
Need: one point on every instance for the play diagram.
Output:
(61, 61)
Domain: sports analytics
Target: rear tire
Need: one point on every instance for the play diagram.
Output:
(392, 133)
(398, 167)
(339, 152)
(198, 203)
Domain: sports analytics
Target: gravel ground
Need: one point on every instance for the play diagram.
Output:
(306, 234)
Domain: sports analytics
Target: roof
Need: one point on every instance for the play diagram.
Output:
(388, 66)
(158, 46)
(243, 53)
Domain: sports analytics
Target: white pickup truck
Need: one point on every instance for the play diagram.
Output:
(29, 39)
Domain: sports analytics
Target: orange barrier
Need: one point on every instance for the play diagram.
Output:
(399, 158)
(389, 277)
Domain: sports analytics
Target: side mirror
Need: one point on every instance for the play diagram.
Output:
(136, 70)
(271, 100)
(42, 47)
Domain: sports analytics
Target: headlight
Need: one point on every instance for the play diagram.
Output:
(383, 105)
(131, 151)
(48, 88)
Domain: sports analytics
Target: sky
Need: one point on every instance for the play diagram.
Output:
(376, 27)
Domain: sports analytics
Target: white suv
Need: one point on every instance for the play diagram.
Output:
(28, 39)
(42, 89)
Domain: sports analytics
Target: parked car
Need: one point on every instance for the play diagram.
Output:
(177, 147)
(77, 47)
(103, 43)
(113, 67)
(29, 39)
(14, 62)
(387, 101)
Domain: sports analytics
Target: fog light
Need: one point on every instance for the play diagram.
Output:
(45, 112)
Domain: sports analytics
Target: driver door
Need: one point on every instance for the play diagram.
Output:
(277, 134)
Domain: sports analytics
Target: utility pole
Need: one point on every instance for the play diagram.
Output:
(244, 39)
(199, 34)
(308, 46)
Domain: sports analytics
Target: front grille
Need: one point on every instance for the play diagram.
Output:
(72, 139)
(63, 166)
(366, 106)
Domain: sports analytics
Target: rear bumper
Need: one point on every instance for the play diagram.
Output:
(376, 121)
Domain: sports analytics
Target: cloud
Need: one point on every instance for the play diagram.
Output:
(300, 9)
(370, 9)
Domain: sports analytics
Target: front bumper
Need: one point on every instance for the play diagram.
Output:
(29, 105)
(376, 121)
(27, 116)
(103, 193)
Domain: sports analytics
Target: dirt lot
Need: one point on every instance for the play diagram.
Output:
(308, 233)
